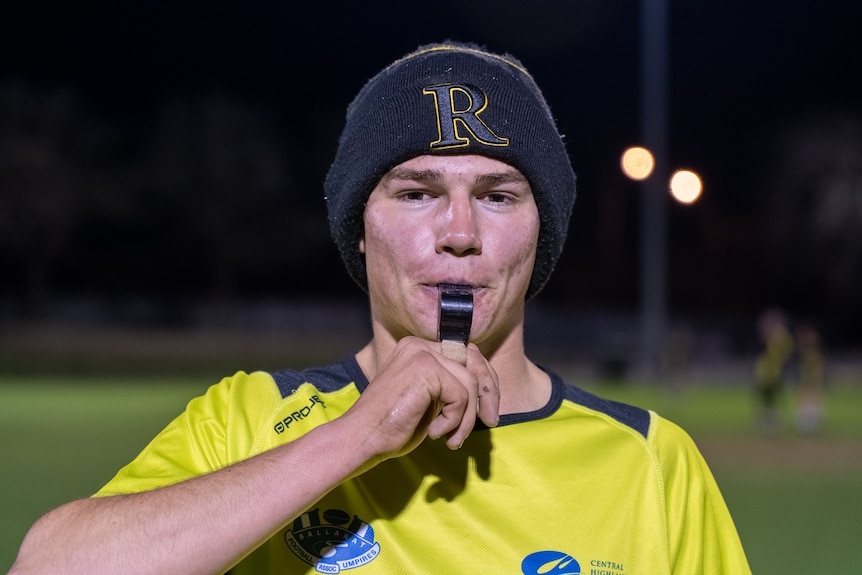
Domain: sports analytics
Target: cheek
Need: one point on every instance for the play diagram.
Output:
(389, 243)
(523, 252)
(519, 259)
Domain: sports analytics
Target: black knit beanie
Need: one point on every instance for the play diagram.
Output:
(450, 98)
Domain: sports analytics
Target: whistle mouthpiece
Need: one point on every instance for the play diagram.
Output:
(456, 313)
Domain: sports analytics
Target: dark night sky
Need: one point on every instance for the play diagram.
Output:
(741, 72)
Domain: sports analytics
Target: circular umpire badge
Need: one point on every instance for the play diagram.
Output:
(332, 541)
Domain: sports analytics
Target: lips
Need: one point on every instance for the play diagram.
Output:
(458, 284)
(455, 286)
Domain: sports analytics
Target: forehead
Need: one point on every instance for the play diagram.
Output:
(439, 168)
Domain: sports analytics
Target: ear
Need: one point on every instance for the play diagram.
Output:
(362, 245)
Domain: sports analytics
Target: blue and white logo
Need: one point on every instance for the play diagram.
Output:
(336, 543)
(550, 563)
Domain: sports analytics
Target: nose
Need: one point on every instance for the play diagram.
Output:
(459, 230)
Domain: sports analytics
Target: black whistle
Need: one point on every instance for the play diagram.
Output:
(456, 312)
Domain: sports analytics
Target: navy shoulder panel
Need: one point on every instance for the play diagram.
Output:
(327, 378)
(635, 417)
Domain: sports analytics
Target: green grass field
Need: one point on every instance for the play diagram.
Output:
(797, 501)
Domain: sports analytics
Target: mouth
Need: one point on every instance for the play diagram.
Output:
(455, 288)
(459, 285)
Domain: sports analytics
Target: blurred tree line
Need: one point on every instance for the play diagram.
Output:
(200, 196)
(812, 214)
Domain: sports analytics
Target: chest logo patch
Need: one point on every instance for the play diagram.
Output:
(550, 563)
(332, 541)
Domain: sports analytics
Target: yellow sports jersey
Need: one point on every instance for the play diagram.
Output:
(583, 486)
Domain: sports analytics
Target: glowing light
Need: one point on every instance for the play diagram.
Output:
(685, 186)
(637, 163)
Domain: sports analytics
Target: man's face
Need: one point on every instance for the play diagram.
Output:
(450, 219)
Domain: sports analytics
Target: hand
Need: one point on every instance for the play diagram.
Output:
(418, 392)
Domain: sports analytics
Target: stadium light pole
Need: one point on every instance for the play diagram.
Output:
(654, 128)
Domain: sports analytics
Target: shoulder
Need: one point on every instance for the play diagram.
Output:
(327, 379)
(674, 446)
(634, 418)
(256, 395)
(663, 435)
(672, 451)
(261, 406)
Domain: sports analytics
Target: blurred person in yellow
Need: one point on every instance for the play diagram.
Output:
(411, 455)
(810, 366)
(770, 367)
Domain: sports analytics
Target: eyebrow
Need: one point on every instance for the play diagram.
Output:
(496, 178)
(434, 176)
(399, 173)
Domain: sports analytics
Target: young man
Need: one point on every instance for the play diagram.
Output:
(401, 459)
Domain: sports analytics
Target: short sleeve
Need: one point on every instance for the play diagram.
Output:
(216, 429)
(702, 537)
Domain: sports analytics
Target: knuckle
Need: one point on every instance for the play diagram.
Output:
(423, 359)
